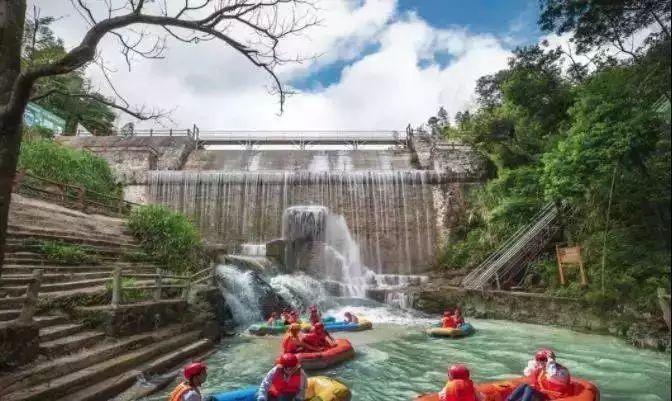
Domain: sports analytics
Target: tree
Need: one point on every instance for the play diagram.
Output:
(443, 116)
(596, 23)
(252, 28)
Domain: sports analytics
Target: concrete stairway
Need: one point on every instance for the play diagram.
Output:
(103, 370)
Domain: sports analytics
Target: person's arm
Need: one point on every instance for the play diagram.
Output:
(309, 347)
(262, 394)
(192, 395)
(301, 395)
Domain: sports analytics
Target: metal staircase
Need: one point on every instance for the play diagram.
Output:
(516, 252)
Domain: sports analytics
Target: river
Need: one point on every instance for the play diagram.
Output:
(396, 360)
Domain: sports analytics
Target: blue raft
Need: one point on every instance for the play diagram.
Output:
(344, 326)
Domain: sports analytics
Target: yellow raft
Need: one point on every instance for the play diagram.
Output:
(321, 388)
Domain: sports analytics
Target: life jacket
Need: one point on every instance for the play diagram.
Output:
(291, 345)
(458, 390)
(448, 323)
(555, 382)
(281, 387)
(180, 390)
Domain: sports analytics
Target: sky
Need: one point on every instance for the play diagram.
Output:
(370, 64)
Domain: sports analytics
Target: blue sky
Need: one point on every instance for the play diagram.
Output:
(514, 21)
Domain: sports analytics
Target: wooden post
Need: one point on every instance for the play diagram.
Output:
(116, 287)
(187, 287)
(151, 132)
(664, 301)
(32, 292)
(120, 207)
(81, 196)
(560, 269)
(158, 283)
(499, 286)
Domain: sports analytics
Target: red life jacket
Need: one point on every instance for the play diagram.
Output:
(458, 390)
(291, 345)
(281, 387)
(448, 323)
(556, 385)
(314, 317)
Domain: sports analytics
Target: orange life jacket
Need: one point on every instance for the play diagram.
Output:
(180, 390)
(555, 385)
(448, 323)
(281, 387)
(458, 390)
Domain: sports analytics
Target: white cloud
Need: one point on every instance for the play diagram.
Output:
(214, 87)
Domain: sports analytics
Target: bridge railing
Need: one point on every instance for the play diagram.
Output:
(305, 136)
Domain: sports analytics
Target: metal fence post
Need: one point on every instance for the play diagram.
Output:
(32, 292)
(116, 287)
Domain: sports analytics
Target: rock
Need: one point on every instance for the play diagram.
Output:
(19, 344)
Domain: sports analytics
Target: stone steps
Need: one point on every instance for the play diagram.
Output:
(70, 344)
(115, 385)
(9, 314)
(64, 386)
(12, 279)
(86, 235)
(55, 332)
(57, 287)
(101, 250)
(56, 269)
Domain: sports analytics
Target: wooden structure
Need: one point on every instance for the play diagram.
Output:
(570, 256)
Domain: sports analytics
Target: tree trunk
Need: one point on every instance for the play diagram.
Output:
(12, 15)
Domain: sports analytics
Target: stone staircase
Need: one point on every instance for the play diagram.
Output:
(77, 363)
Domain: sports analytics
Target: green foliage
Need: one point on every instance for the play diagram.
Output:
(67, 253)
(49, 159)
(71, 96)
(133, 256)
(128, 293)
(169, 237)
(554, 134)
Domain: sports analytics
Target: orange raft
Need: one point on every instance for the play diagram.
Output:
(583, 390)
(320, 360)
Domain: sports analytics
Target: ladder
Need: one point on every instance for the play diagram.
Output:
(517, 251)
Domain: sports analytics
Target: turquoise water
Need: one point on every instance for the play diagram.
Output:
(397, 361)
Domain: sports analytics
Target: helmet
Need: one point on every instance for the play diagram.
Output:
(288, 360)
(458, 372)
(193, 369)
(294, 327)
(549, 353)
(541, 356)
(319, 326)
(446, 314)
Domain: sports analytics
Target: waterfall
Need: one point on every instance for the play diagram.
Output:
(253, 249)
(390, 213)
(241, 292)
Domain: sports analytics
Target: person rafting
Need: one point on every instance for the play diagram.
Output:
(285, 317)
(272, 319)
(293, 317)
(548, 380)
(286, 381)
(195, 374)
(315, 316)
(459, 386)
(459, 319)
(293, 343)
(448, 321)
(319, 337)
(350, 318)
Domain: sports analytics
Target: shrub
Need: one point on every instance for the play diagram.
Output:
(169, 237)
(64, 253)
(49, 159)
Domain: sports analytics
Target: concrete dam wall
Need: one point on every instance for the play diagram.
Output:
(398, 202)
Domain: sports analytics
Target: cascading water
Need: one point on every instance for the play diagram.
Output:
(391, 213)
(253, 249)
(241, 292)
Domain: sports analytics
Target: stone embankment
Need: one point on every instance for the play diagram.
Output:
(639, 329)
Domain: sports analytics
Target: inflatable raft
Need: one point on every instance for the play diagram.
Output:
(583, 390)
(262, 329)
(464, 330)
(320, 388)
(320, 360)
(344, 326)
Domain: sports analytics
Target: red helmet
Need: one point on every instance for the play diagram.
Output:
(447, 314)
(288, 360)
(193, 369)
(458, 372)
(541, 356)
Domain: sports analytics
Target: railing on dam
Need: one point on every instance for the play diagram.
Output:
(299, 139)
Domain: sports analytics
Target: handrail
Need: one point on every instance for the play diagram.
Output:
(75, 195)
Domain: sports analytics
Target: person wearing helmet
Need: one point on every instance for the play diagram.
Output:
(293, 317)
(448, 321)
(195, 374)
(272, 319)
(459, 319)
(315, 316)
(286, 381)
(459, 386)
(350, 318)
(319, 337)
(293, 343)
(285, 317)
(548, 380)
